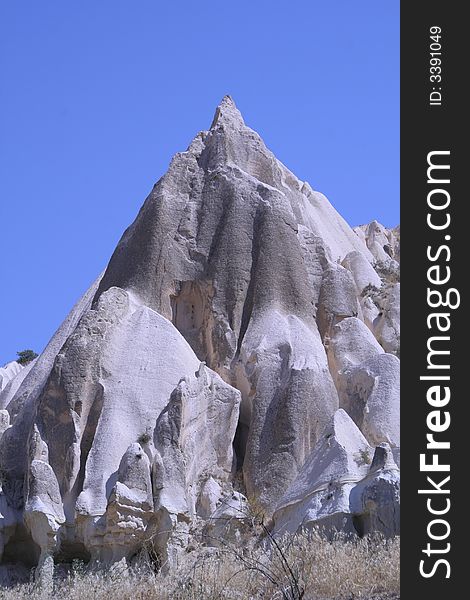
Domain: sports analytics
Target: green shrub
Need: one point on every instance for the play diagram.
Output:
(25, 356)
(144, 438)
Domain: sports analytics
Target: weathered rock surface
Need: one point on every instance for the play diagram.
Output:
(379, 293)
(376, 499)
(12, 386)
(362, 271)
(8, 373)
(386, 325)
(220, 341)
(368, 381)
(343, 486)
(383, 243)
(230, 523)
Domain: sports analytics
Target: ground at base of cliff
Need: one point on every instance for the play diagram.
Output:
(302, 568)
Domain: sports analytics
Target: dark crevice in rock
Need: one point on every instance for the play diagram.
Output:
(239, 444)
(71, 551)
(358, 524)
(21, 548)
(224, 221)
(88, 437)
(188, 308)
(250, 295)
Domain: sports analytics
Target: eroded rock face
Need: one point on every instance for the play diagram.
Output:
(368, 381)
(376, 499)
(386, 325)
(193, 440)
(129, 511)
(8, 373)
(383, 243)
(320, 494)
(379, 294)
(237, 314)
(230, 522)
(12, 386)
(362, 271)
(343, 486)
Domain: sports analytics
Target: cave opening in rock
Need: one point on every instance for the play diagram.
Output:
(239, 444)
(70, 551)
(359, 525)
(21, 549)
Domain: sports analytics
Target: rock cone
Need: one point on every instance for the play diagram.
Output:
(233, 320)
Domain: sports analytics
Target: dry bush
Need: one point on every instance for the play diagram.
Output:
(341, 569)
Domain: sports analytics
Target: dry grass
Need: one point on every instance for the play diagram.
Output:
(305, 567)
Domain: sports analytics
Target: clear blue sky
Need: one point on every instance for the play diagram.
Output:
(97, 95)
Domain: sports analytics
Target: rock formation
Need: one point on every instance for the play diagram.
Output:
(242, 331)
(8, 373)
(382, 242)
(343, 486)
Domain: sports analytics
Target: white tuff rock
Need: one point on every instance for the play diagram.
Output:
(212, 353)
(343, 486)
(8, 373)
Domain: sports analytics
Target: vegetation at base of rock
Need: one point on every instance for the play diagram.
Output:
(26, 356)
(370, 290)
(144, 438)
(341, 569)
(365, 456)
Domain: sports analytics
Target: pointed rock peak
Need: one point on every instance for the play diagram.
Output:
(376, 227)
(227, 100)
(226, 113)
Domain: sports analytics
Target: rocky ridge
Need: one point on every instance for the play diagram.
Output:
(237, 356)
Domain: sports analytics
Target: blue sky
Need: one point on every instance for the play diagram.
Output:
(97, 95)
